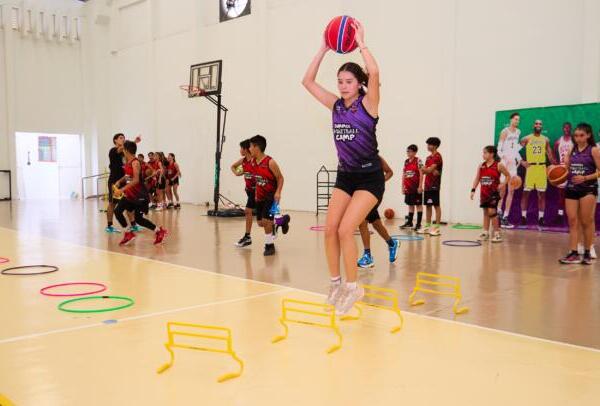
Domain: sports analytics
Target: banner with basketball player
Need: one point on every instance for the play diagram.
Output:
(532, 143)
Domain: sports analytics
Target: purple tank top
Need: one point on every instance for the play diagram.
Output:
(355, 139)
(582, 163)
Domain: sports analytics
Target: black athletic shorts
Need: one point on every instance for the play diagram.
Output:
(491, 202)
(139, 205)
(174, 181)
(162, 183)
(579, 194)
(263, 208)
(413, 199)
(251, 202)
(372, 182)
(373, 215)
(431, 197)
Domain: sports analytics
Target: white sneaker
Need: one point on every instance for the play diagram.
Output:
(423, 230)
(497, 237)
(335, 290)
(483, 237)
(593, 253)
(159, 207)
(347, 300)
(435, 231)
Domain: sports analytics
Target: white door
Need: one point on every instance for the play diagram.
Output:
(48, 165)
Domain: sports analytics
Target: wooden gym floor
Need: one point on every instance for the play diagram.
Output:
(532, 335)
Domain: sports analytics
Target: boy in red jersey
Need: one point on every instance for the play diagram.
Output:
(488, 177)
(245, 167)
(134, 197)
(269, 183)
(411, 182)
(431, 182)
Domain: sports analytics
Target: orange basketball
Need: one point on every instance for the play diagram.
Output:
(516, 182)
(389, 213)
(557, 174)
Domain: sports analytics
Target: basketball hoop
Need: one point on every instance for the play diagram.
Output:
(192, 91)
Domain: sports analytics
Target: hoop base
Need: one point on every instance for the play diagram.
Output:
(226, 213)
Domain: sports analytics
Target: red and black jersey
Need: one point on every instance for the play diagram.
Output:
(133, 192)
(266, 183)
(248, 167)
(433, 181)
(150, 182)
(154, 165)
(489, 180)
(412, 176)
(171, 171)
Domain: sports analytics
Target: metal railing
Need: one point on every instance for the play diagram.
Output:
(325, 184)
(99, 177)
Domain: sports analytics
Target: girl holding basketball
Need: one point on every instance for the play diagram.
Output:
(488, 177)
(581, 192)
(360, 181)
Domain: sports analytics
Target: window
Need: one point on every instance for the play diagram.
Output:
(28, 22)
(41, 24)
(15, 18)
(65, 27)
(76, 28)
(47, 149)
(55, 27)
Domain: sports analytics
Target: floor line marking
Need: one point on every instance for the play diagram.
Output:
(141, 316)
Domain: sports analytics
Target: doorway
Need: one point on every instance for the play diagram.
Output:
(49, 166)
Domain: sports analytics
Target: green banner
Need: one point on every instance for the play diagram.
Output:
(553, 119)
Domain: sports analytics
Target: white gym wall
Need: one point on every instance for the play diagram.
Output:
(447, 66)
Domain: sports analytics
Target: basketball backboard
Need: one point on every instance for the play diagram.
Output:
(205, 77)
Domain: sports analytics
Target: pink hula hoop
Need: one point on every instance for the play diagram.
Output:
(317, 228)
(4, 260)
(102, 288)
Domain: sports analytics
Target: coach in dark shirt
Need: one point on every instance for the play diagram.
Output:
(115, 156)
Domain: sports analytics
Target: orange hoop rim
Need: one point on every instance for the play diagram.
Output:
(192, 90)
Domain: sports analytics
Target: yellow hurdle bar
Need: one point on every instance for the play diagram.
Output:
(386, 294)
(433, 280)
(227, 338)
(5, 402)
(328, 312)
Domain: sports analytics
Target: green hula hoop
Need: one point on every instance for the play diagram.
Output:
(130, 302)
(467, 227)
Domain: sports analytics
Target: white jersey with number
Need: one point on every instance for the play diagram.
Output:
(508, 150)
(564, 148)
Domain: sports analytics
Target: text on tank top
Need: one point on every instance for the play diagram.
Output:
(266, 183)
(433, 181)
(412, 175)
(354, 134)
(511, 145)
(582, 164)
(535, 151)
(489, 180)
(171, 171)
(248, 168)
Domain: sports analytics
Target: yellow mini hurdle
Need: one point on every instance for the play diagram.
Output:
(385, 294)
(226, 337)
(427, 283)
(327, 311)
